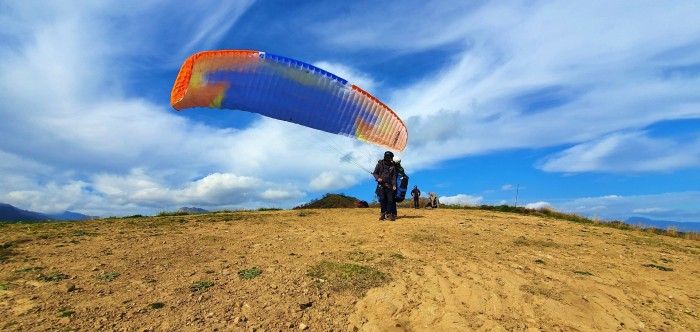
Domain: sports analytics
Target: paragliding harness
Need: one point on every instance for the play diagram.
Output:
(400, 193)
(401, 188)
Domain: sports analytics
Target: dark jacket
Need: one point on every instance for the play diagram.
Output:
(415, 192)
(386, 172)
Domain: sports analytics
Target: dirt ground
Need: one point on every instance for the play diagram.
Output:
(343, 270)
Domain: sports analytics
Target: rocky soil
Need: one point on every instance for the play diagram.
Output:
(343, 270)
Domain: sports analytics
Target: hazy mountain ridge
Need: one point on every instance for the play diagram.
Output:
(191, 210)
(665, 224)
(11, 213)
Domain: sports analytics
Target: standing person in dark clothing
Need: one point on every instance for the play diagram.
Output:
(416, 195)
(385, 174)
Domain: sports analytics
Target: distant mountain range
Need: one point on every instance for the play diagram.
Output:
(664, 224)
(11, 213)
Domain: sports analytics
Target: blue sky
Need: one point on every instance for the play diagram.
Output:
(587, 107)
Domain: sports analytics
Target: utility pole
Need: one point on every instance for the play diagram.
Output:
(517, 190)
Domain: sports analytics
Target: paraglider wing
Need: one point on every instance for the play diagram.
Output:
(286, 89)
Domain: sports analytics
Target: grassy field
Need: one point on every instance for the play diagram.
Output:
(343, 270)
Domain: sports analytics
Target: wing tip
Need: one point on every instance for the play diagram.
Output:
(182, 81)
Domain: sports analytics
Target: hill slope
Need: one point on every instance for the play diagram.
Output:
(331, 201)
(342, 270)
(11, 213)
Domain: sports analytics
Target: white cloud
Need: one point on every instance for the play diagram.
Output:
(332, 181)
(678, 206)
(539, 206)
(52, 197)
(216, 190)
(218, 18)
(461, 199)
(277, 195)
(650, 210)
(630, 152)
(364, 81)
(507, 187)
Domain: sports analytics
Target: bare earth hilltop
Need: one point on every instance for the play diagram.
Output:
(343, 270)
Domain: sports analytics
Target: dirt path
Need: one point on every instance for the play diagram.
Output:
(342, 270)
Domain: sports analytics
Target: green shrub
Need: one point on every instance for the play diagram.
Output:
(201, 286)
(249, 273)
(108, 276)
(156, 305)
(52, 277)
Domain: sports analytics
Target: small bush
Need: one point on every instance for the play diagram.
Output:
(63, 312)
(201, 286)
(172, 214)
(108, 276)
(156, 305)
(249, 273)
(52, 277)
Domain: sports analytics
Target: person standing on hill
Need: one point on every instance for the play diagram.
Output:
(385, 175)
(416, 195)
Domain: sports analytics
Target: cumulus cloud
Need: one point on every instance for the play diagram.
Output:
(461, 199)
(51, 197)
(332, 181)
(216, 190)
(539, 206)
